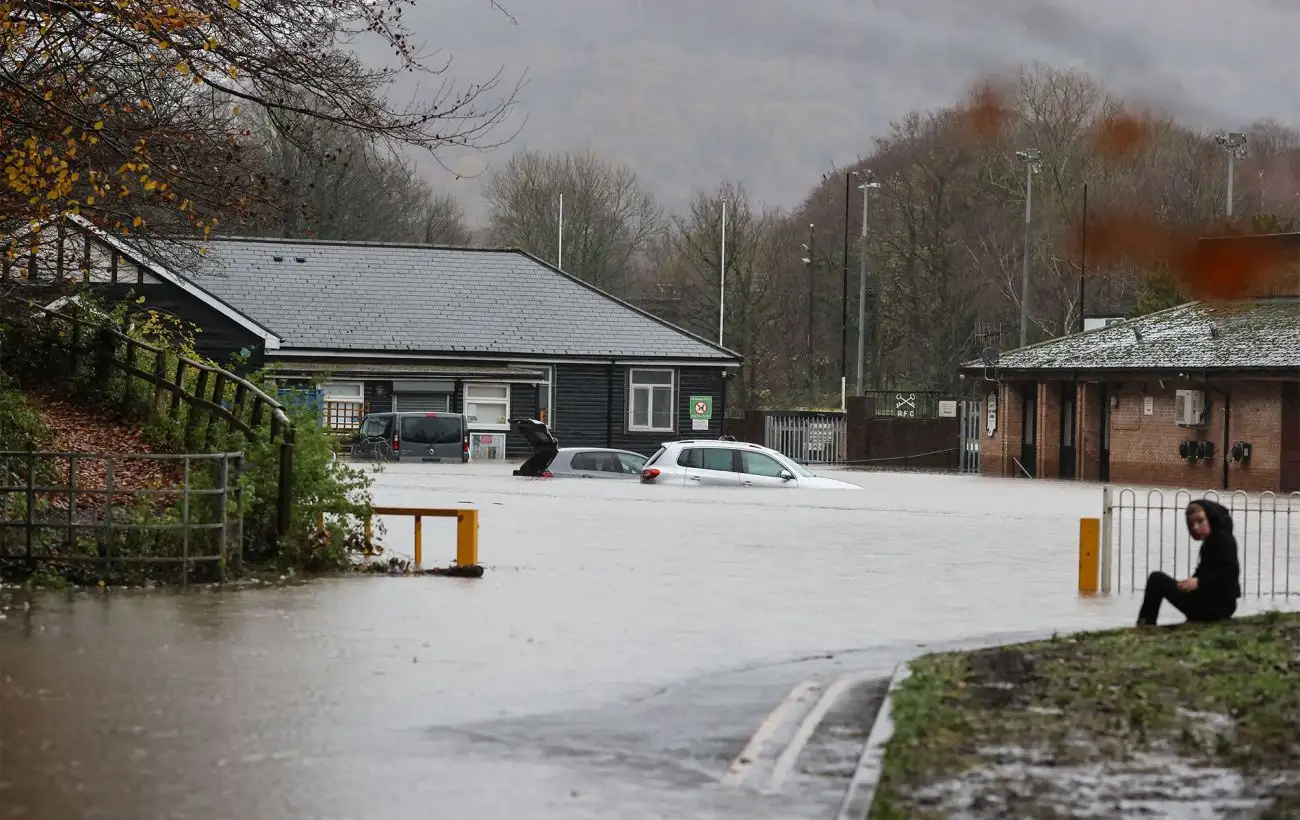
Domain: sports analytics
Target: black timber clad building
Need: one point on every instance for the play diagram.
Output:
(495, 334)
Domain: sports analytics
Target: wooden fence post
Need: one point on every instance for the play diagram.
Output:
(195, 415)
(284, 504)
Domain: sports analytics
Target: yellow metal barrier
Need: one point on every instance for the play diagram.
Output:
(466, 530)
(1089, 553)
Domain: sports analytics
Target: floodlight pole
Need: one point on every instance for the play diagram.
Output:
(1032, 158)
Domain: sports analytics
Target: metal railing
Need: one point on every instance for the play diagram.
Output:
(1143, 531)
(80, 507)
(813, 438)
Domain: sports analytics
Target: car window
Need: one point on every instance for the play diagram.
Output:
(716, 458)
(375, 427)
(759, 464)
(631, 463)
(597, 461)
(432, 429)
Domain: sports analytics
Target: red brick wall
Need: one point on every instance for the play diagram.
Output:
(1089, 421)
(1144, 449)
(1049, 430)
(998, 450)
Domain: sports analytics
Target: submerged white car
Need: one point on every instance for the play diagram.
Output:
(721, 463)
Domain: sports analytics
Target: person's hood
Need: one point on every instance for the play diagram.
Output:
(1218, 516)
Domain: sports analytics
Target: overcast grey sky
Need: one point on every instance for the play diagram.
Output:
(774, 92)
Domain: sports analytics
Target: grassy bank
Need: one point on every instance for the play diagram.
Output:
(1116, 724)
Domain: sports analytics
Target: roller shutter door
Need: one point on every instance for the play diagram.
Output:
(421, 402)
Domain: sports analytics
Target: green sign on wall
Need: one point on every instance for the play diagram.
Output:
(701, 407)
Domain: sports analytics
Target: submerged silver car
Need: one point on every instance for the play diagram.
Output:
(549, 460)
(723, 463)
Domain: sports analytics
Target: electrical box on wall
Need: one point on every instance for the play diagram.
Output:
(1189, 408)
(1241, 451)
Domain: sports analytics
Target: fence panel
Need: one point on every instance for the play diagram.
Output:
(905, 404)
(813, 438)
(971, 415)
(70, 508)
(1144, 531)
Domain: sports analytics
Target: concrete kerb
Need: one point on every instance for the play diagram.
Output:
(866, 777)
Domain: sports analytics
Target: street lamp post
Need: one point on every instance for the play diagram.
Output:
(1033, 160)
(1234, 143)
(811, 261)
(844, 287)
(868, 182)
(722, 275)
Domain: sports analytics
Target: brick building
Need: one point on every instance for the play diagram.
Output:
(1206, 394)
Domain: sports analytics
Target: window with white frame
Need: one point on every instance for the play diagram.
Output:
(344, 404)
(487, 406)
(650, 400)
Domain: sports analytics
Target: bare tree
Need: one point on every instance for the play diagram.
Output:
(334, 184)
(609, 217)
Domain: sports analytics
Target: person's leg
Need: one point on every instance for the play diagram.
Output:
(1160, 588)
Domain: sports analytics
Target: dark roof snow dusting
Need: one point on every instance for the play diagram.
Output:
(1250, 334)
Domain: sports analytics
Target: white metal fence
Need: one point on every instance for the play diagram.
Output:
(814, 438)
(971, 416)
(1143, 531)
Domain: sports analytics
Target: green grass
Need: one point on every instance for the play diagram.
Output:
(1102, 697)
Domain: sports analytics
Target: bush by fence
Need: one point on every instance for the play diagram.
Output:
(145, 368)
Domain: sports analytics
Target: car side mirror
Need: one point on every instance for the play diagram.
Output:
(786, 475)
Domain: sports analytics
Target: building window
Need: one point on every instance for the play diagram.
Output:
(488, 406)
(650, 400)
(344, 405)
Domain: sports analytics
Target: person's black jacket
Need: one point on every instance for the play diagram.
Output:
(1217, 574)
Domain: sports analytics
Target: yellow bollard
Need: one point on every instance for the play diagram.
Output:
(1089, 552)
(467, 538)
(419, 546)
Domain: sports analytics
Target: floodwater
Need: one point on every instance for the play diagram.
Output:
(622, 648)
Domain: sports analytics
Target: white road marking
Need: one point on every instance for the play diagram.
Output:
(790, 756)
(748, 755)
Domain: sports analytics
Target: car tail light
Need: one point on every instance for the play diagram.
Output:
(396, 445)
(546, 474)
(649, 474)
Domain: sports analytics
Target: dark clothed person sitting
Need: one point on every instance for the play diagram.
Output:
(1211, 593)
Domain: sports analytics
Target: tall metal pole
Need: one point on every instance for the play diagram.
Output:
(844, 285)
(1024, 280)
(722, 274)
(1083, 253)
(1232, 162)
(812, 267)
(559, 256)
(862, 289)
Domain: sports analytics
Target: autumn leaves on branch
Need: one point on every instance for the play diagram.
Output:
(136, 114)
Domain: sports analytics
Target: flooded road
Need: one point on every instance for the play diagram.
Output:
(624, 646)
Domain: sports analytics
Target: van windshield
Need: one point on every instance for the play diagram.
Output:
(431, 429)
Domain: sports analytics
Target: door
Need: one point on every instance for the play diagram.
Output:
(761, 470)
(1029, 433)
(1290, 437)
(710, 466)
(1103, 455)
(407, 402)
(1069, 436)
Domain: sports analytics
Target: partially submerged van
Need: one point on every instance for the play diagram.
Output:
(420, 437)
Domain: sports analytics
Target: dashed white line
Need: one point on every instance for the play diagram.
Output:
(754, 748)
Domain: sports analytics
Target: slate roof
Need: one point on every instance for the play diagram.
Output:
(369, 297)
(1247, 334)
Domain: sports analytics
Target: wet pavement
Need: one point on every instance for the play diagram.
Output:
(623, 656)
